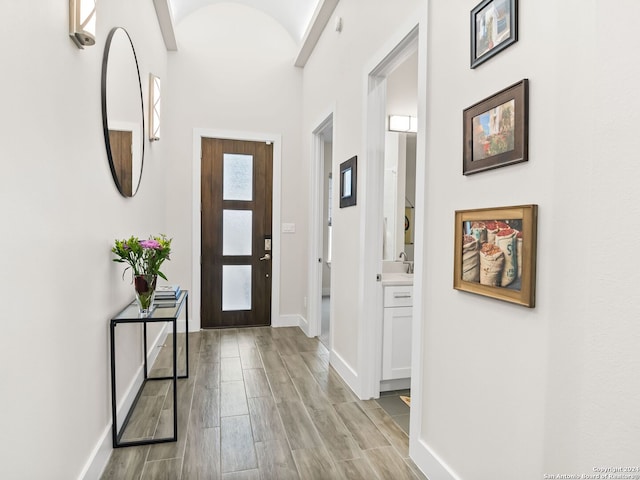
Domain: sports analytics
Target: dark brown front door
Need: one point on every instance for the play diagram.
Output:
(237, 181)
(122, 156)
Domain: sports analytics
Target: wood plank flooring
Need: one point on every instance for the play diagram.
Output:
(262, 403)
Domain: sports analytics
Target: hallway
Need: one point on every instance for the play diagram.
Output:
(263, 403)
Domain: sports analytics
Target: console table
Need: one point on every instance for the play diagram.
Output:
(163, 312)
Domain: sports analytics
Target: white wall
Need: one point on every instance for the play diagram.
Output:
(512, 392)
(335, 75)
(60, 212)
(234, 72)
(402, 88)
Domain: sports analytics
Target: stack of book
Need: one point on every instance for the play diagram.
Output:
(166, 295)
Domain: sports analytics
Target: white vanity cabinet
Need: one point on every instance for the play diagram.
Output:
(396, 334)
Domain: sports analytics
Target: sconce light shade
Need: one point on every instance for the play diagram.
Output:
(403, 123)
(82, 22)
(154, 111)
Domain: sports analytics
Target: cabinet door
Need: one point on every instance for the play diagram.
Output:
(396, 343)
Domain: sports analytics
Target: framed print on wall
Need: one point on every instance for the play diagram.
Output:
(348, 182)
(495, 253)
(494, 27)
(496, 130)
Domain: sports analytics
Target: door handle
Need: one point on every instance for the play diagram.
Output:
(266, 257)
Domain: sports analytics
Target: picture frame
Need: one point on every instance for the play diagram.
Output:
(495, 253)
(496, 130)
(348, 182)
(409, 215)
(494, 27)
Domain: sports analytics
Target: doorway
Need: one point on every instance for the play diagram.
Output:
(322, 206)
(327, 195)
(236, 237)
(371, 321)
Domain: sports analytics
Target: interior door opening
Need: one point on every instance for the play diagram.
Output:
(398, 214)
(322, 201)
(371, 322)
(327, 191)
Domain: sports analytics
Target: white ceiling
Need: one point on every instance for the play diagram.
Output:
(294, 15)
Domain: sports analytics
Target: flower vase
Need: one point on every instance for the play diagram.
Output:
(145, 286)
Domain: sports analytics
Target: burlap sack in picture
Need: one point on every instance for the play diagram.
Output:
(479, 232)
(470, 259)
(502, 225)
(519, 256)
(506, 241)
(492, 229)
(491, 265)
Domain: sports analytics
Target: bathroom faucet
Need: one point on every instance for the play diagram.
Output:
(409, 265)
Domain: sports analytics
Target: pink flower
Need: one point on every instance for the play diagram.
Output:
(150, 244)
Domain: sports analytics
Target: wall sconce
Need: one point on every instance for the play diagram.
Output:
(82, 22)
(403, 123)
(154, 111)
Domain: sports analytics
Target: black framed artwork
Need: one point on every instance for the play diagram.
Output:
(348, 182)
(494, 27)
(496, 130)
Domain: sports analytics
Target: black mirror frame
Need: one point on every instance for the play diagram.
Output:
(105, 123)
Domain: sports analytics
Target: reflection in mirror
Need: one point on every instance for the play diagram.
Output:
(399, 194)
(122, 111)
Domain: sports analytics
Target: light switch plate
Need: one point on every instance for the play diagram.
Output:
(288, 228)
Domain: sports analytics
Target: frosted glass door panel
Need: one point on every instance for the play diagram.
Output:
(236, 232)
(237, 181)
(236, 287)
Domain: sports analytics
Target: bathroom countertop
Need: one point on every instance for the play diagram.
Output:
(397, 279)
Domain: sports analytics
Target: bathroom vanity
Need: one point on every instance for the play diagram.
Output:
(396, 330)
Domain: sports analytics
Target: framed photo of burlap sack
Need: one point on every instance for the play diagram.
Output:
(496, 130)
(495, 253)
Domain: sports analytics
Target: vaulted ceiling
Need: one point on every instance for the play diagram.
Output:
(303, 19)
(294, 15)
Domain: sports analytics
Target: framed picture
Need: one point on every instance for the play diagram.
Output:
(496, 130)
(494, 27)
(348, 182)
(408, 225)
(495, 253)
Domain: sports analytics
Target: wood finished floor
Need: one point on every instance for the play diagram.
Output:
(262, 403)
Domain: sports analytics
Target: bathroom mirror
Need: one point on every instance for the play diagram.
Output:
(122, 111)
(399, 194)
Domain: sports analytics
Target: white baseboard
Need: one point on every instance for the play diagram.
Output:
(99, 457)
(429, 462)
(304, 325)
(101, 453)
(345, 370)
(288, 321)
(397, 384)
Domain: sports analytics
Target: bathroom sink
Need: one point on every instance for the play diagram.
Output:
(397, 278)
(390, 266)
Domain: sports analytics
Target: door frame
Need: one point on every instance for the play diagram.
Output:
(196, 231)
(371, 321)
(316, 189)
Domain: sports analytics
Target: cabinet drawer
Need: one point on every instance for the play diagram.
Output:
(398, 296)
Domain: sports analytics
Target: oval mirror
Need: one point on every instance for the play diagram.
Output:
(122, 111)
